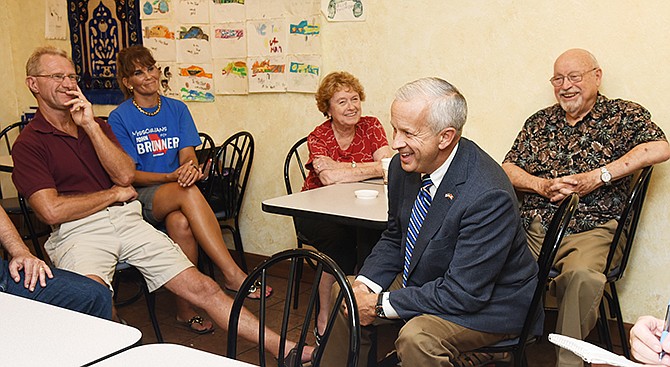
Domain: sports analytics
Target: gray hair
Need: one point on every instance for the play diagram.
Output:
(446, 105)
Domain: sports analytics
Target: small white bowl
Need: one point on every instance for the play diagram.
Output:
(366, 194)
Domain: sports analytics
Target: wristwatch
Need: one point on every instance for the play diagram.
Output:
(605, 176)
(379, 309)
(353, 164)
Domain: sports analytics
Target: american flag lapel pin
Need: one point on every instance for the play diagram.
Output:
(449, 196)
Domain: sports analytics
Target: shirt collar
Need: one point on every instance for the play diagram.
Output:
(437, 175)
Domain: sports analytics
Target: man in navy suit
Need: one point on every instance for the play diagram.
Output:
(469, 276)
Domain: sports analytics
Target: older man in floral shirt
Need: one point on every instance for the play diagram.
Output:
(588, 144)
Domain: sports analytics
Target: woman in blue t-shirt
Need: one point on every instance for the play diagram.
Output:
(160, 135)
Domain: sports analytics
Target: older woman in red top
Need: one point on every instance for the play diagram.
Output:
(347, 147)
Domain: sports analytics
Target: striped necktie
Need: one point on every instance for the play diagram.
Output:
(419, 210)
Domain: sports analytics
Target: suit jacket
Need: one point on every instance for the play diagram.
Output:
(471, 264)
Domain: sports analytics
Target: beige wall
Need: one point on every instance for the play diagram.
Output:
(499, 53)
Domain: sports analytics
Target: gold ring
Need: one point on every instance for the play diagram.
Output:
(41, 268)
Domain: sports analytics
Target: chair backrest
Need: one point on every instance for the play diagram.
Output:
(228, 175)
(552, 240)
(625, 231)
(296, 257)
(294, 164)
(205, 151)
(9, 134)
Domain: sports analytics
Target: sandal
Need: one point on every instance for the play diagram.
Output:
(254, 287)
(292, 359)
(479, 359)
(317, 337)
(197, 319)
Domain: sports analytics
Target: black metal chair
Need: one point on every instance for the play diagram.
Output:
(17, 206)
(295, 257)
(204, 154)
(205, 151)
(623, 240)
(226, 183)
(294, 176)
(128, 272)
(555, 233)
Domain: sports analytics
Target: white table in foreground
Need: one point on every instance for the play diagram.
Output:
(35, 333)
(168, 355)
(335, 202)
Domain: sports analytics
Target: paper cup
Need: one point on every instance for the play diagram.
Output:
(385, 169)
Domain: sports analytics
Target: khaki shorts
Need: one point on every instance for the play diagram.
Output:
(93, 245)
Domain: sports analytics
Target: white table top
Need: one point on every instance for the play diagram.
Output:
(336, 202)
(168, 355)
(35, 333)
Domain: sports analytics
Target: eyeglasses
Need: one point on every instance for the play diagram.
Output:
(58, 78)
(575, 77)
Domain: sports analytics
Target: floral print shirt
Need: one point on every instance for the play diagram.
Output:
(549, 147)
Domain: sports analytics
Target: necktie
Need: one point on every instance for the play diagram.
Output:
(419, 210)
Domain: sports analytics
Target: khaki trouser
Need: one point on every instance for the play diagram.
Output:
(579, 286)
(424, 340)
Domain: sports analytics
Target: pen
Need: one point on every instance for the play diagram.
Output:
(666, 329)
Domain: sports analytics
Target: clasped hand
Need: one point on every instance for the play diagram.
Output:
(188, 174)
(556, 189)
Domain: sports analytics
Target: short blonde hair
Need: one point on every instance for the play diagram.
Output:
(333, 83)
(33, 64)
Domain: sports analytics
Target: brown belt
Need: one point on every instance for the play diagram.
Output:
(118, 203)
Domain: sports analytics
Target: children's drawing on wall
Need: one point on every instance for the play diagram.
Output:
(222, 11)
(229, 40)
(231, 76)
(303, 73)
(343, 10)
(193, 44)
(304, 35)
(158, 36)
(192, 11)
(196, 83)
(169, 80)
(267, 74)
(302, 7)
(55, 26)
(251, 46)
(266, 37)
(265, 9)
(156, 9)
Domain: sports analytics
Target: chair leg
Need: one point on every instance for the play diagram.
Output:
(296, 284)
(616, 309)
(603, 326)
(151, 308)
(239, 247)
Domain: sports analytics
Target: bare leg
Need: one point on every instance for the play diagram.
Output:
(180, 232)
(171, 197)
(115, 313)
(203, 292)
(325, 302)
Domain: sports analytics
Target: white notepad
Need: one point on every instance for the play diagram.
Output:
(591, 353)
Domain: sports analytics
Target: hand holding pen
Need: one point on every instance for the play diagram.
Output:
(664, 333)
(644, 341)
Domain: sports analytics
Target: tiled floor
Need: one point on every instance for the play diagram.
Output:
(539, 355)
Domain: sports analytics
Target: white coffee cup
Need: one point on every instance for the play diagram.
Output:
(385, 169)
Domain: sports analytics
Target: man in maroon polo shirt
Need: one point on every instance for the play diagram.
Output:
(78, 179)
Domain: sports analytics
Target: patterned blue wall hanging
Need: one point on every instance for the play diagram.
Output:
(98, 30)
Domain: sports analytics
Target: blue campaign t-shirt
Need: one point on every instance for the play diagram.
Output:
(153, 142)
